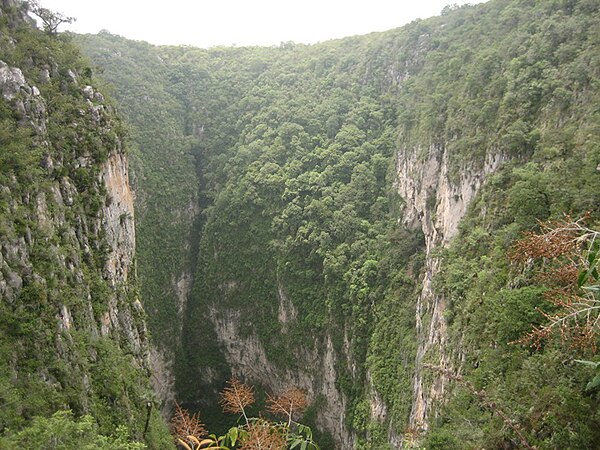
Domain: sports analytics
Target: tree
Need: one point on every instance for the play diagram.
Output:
(51, 20)
(66, 432)
(292, 402)
(571, 254)
(485, 401)
(186, 428)
(254, 433)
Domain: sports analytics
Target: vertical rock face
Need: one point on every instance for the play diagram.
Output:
(436, 203)
(56, 215)
(316, 374)
(71, 322)
(118, 217)
(119, 231)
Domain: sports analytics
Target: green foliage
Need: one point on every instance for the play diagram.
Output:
(62, 431)
(594, 384)
(60, 349)
(298, 438)
(264, 179)
(441, 440)
(293, 194)
(493, 304)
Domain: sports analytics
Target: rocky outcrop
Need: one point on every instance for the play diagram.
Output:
(286, 312)
(434, 202)
(248, 360)
(26, 100)
(112, 228)
(11, 81)
(118, 217)
(162, 380)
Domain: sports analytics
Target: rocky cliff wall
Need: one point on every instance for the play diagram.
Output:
(435, 202)
(72, 329)
(54, 206)
(282, 176)
(316, 374)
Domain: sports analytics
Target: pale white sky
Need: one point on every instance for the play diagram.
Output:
(206, 23)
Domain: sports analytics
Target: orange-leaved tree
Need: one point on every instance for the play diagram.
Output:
(569, 253)
(236, 397)
(289, 404)
(254, 433)
(187, 429)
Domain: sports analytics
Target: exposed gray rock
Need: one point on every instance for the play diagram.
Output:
(14, 281)
(435, 203)
(97, 113)
(88, 92)
(73, 76)
(162, 380)
(248, 360)
(27, 101)
(11, 81)
(44, 76)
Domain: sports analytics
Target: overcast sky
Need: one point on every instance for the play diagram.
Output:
(207, 23)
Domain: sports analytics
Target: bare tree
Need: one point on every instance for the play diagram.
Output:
(51, 20)
(292, 402)
(186, 428)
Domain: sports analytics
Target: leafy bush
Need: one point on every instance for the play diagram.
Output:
(62, 431)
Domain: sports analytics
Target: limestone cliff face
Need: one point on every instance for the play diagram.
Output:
(118, 225)
(50, 206)
(118, 216)
(434, 202)
(68, 287)
(316, 374)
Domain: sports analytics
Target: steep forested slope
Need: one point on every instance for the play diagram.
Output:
(338, 217)
(72, 330)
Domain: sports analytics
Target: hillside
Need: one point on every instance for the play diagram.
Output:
(339, 217)
(73, 340)
(296, 200)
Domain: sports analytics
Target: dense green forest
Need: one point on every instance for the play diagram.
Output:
(347, 218)
(270, 177)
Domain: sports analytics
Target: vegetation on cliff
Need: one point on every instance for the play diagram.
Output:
(266, 193)
(73, 348)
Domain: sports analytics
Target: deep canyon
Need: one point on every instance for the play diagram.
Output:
(337, 217)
